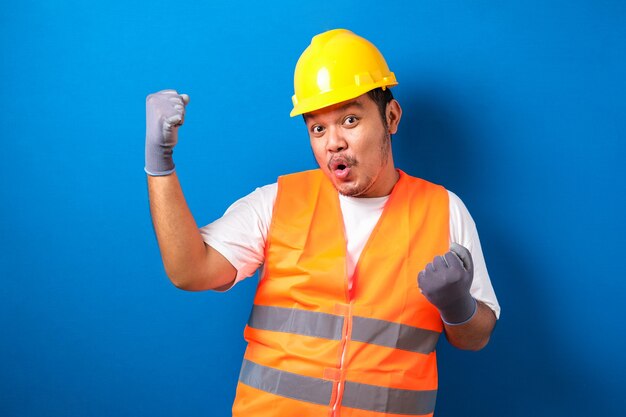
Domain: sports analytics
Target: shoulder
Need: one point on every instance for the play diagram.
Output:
(303, 178)
(459, 215)
(259, 200)
(263, 198)
(458, 210)
(266, 194)
(462, 226)
(422, 186)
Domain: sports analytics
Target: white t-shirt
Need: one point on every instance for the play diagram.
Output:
(240, 234)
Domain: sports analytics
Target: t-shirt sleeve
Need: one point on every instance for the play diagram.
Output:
(240, 234)
(463, 231)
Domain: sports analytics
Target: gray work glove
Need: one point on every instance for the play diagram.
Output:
(165, 111)
(446, 282)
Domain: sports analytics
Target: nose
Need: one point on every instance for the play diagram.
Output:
(336, 141)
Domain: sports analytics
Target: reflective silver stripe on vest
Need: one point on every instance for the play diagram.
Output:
(286, 384)
(290, 320)
(329, 326)
(394, 335)
(319, 391)
(388, 400)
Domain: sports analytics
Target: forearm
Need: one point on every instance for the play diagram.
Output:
(185, 256)
(474, 334)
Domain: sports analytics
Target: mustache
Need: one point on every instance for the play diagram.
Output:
(347, 160)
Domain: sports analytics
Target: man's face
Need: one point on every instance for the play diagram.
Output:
(352, 146)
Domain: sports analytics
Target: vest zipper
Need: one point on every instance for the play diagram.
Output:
(335, 410)
(345, 338)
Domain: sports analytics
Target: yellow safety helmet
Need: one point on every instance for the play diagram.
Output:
(337, 66)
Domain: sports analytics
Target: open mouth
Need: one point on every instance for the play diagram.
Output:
(340, 166)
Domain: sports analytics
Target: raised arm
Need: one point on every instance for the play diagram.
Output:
(189, 262)
(446, 283)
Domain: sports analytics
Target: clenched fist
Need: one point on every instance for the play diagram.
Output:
(446, 283)
(165, 112)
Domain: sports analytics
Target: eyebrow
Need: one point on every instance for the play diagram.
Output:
(346, 106)
(354, 103)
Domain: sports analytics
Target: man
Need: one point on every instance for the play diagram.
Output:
(363, 265)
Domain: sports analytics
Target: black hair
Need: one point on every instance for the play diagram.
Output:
(381, 97)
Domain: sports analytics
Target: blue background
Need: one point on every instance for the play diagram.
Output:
(517, 107)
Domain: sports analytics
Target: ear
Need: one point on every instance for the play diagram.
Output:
(394, 114)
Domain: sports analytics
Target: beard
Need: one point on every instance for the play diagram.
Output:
(366, 183)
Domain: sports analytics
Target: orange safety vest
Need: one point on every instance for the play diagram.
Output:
(321, 343)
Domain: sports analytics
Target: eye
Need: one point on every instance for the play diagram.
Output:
(350, 120)
(317, 129)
